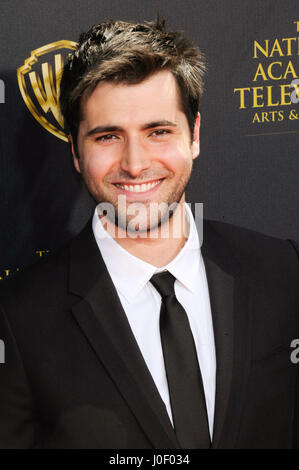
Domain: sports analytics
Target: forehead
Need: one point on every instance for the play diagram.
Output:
(156, 97)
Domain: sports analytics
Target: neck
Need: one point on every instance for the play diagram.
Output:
(163, 244)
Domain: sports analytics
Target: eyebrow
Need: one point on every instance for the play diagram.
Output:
(162, 123)
(150, 125)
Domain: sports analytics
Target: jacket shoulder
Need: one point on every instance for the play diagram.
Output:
(252, 248)
(39, 277)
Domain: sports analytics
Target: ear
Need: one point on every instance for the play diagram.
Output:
(196, 138)
(75, 158)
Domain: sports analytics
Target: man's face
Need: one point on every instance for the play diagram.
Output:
(134, 141)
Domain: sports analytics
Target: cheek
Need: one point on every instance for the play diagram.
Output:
(96, 165)
(176, 156)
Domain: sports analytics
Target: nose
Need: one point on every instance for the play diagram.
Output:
(135, 157)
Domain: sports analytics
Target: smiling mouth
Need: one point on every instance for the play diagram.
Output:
(138, 188)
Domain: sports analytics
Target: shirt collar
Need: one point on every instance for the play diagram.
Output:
(130, 274)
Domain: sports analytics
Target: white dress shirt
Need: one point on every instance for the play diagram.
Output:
(141, 303)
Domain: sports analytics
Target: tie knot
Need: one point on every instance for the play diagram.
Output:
(164, 283)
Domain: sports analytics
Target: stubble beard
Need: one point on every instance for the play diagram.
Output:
(122, 219)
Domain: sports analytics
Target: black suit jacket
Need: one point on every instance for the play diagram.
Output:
(74, 376)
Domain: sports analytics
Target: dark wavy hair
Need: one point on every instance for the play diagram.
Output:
(124, 52)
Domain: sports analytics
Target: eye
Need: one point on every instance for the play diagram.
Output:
(106, 138)
(160, 132)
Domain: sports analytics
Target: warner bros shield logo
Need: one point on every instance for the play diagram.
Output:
(39, 83)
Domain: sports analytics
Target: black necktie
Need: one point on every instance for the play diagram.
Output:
(182, 369)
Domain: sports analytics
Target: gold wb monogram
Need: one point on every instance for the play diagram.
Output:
(40, 85)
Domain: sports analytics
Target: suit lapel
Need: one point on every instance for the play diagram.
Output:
(105, 325)
(229, 304)
(221, 288)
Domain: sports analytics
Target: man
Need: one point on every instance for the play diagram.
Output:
(134, 335)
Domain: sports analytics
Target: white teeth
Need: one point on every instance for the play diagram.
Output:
(138, 188)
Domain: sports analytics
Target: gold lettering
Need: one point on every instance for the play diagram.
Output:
(265, 117)
(242, 96)
(260, 72)
(290, 70)
(270, 102)
(41, 253)
(256, 118)
(284, 94)
(6, 274)
(297, 24)
(289, 43)
(276, 48)
(257, 47)
(256, 96)
(270, 71)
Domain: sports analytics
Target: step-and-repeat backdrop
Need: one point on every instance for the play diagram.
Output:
(247, 173)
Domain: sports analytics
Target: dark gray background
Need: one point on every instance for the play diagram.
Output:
(248, 181)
